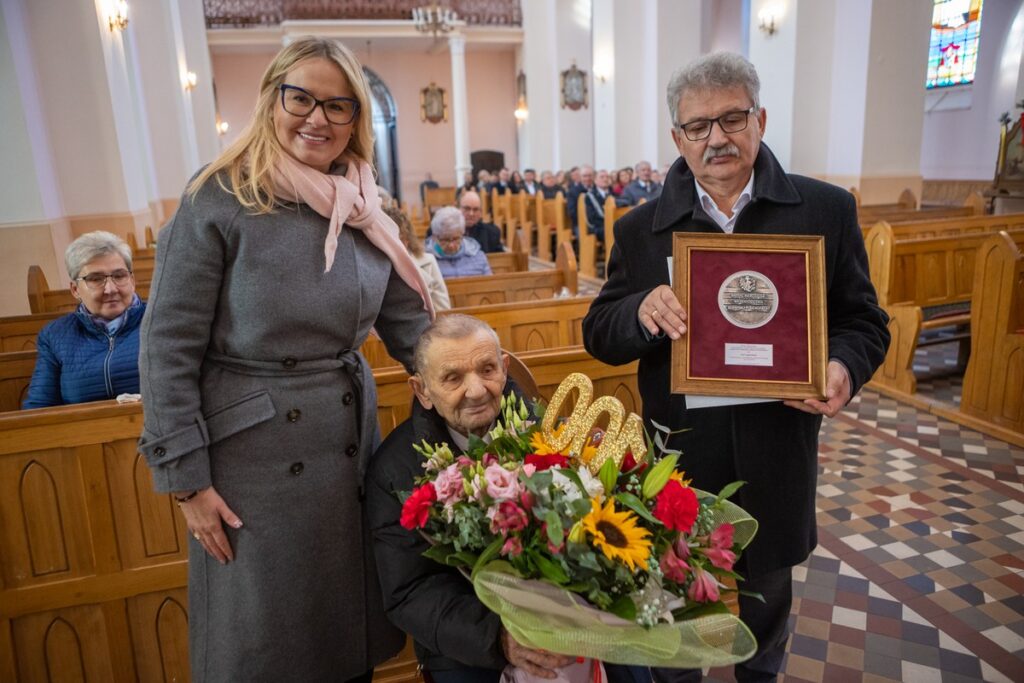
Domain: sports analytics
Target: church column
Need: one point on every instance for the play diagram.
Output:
(843, 84)
(460, 109)
(539, 133)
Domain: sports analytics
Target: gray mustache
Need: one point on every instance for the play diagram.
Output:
(723, 151)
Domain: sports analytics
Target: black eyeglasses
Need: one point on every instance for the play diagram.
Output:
(97, 281)
(299, 102)
(729, 122)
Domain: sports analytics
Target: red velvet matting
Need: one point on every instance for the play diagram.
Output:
(709, 330)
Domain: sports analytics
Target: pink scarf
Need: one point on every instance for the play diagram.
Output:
(349, 199)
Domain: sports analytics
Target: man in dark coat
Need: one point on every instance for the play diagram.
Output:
(727, 181)
(642, 188)
(461, 376)
(576, 189)
(487, 234)
(596, 197)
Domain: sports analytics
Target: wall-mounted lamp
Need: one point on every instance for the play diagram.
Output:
(521, 113)
(117, 17)
(222, 127)
(189, 80)
(767, 18)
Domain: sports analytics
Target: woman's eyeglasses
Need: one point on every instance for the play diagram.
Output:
(97, 281)
(299, 102)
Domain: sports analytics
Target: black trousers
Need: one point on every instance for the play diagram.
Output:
(768, 621)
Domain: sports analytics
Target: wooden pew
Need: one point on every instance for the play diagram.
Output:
(521, 326)
(147, 252)
(516, 260)
(974, 206)
(993, 389)
(15, 375)
(952, 227)
(18, 332)
(436, 197)
(550, 218)
(906, 200)
(923, 284)
(501, 207)
(528, 286)
(94, 563)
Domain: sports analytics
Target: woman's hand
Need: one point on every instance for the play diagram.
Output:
(534, 662)
(203, 514)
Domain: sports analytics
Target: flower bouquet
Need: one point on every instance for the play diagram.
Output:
(587, 543)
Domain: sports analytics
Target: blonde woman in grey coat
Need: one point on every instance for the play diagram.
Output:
(260, 413)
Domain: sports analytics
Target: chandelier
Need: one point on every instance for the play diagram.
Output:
(434, 19)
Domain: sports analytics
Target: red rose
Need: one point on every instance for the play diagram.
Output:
(676, 506)
(416, 509)
(546, 462)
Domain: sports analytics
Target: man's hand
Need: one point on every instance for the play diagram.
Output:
(837, 393)
(204, 515)
(660, 311)
(534, 662)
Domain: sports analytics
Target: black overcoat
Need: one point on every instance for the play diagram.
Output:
(768, 445)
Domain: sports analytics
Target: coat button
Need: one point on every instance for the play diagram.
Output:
(348, 398)
(294, 414)
(351, 450)
(296, 468)
(289, 362)
(159, 451)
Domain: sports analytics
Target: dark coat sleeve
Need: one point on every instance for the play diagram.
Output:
(858, 335)
(44, 389)
(433, 603)
(611, 330)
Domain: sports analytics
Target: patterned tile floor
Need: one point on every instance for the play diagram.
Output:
(919, 571)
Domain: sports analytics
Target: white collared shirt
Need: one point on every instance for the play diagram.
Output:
(462, 440)
(726, 223)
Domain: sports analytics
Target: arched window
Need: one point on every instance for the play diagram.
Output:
(953, 50)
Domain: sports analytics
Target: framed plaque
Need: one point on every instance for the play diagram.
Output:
(756, 315)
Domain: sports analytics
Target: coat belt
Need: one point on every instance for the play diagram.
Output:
(352, 362)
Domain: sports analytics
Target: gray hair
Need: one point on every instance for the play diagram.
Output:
(92, 245)
(717, 71)
(450, 326)
(446, 221)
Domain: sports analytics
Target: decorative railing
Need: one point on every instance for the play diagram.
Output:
(243, 13)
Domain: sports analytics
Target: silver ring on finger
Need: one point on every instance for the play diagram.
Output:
(655, 313)
(195, 535)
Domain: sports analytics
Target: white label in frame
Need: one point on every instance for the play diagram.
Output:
(749, 354)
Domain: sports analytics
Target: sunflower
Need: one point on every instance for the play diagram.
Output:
(541, 446)
(617, 535)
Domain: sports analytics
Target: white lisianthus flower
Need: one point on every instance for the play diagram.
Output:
(593, 485)
(565, 485)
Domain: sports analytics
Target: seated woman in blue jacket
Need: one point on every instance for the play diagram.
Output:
(93, 353)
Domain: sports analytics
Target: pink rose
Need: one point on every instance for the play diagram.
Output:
(506, 517)
(449, 485)
(704, 587)
(464, 461)
(501, 484)
(513, 547)
(674, 567)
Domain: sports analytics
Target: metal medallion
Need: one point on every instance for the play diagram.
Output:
(748, 299)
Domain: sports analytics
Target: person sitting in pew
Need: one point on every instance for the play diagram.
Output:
(424, 259)
(457, 254)
(91, 354)
(487, 234)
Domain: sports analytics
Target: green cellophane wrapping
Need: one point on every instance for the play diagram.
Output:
(541, 615)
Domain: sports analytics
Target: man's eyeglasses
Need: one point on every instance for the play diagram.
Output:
(299, 102)
(97, 281)
(729, 122)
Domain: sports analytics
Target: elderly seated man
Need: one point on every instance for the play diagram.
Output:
(91, 354)
(457, 255)
(461, 376)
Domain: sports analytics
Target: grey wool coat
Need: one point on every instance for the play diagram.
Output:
(252, 383)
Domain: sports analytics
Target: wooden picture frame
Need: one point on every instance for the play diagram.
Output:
(756, 315)
(433, 106)
(574, 89)
(1009, 180)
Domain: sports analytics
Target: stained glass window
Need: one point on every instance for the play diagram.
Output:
(953, 50)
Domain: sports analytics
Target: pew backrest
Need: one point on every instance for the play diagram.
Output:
(522, 286)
